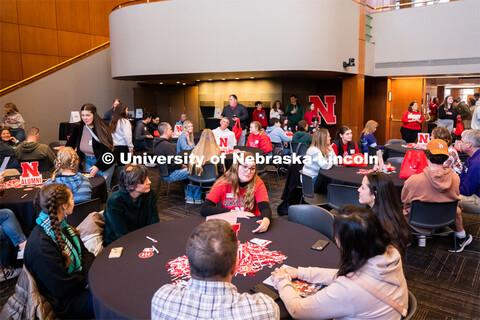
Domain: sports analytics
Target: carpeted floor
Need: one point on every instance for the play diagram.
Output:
(440, 295)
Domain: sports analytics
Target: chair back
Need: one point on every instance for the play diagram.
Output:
(163, 170)
(261, 168)
(308, 188)
(42, 164)
(339, 195)
(395, 141)
(82, 210)
(277, 148)
(412, 306)
(313, 217)
(115, 188)
(396, 162)
(209, 175)
(432, 215)
(298, 148)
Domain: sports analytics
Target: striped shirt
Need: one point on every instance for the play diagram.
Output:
(198, 299)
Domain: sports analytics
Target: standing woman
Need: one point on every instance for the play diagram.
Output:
(121, 130)
(378, 193)
(433, 108)
(447, 114)
(241, 192)
(310, 114)
(186, 140)
(412, 123)
(276, 111)
(56, 256)
(92, 139)
(14, 120)
(343, 144)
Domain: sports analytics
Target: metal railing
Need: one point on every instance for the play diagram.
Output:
(53, 69)
(132, 2)
(400, 5)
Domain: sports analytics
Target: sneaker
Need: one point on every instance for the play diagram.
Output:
(20, 253)
(190, 200)
(9, 273)
(198, 201)
(461, 243)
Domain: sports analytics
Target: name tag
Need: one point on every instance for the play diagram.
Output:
(256, 141)
(229, 195)
(352, 151)
(90, 142)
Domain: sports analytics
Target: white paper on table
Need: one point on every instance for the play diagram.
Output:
(230, 217)
(260, 242)
(269, 280)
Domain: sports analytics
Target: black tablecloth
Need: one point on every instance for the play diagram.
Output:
(20, 201)
(123, 288)
(396, 150)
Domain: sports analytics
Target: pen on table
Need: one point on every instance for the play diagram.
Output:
(155, 249)
(151, 239)
(24, 195)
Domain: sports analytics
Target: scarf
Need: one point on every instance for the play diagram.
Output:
(73, 250)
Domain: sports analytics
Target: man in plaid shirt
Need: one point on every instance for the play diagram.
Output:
(209, 294)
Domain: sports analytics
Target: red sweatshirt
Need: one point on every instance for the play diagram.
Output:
(412, 116)
(260, 116)
(261, 141)
(309, 116)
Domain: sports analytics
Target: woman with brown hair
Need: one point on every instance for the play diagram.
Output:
(121, 130)
(242, 192)
(56, 257)
(276, 111)
(412, 121)
(91, 139)
(14, 121)
(447, 114)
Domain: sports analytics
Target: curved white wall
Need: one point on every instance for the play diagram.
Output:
(201, 36)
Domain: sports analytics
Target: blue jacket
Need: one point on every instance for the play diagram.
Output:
(78, 184)
(470, 176)
(276, 134)
(182, 144)
(369, 141)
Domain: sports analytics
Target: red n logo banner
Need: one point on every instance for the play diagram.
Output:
(328, 112)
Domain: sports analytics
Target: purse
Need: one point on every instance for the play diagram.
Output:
(237, 129)
(413, 163)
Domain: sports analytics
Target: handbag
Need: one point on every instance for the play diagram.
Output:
(237, 129)
(413, 163)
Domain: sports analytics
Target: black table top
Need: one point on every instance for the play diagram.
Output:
(124, 287)
(398, 147)
(349, 176)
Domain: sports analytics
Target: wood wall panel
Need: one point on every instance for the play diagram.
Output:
(404, 91)
(8, 12)
(376, 105)
(97, 40)
(353, 88)
(73, 16)
(9, 37)
(35, 63)
(99, 11)
(37, 13)
(38, 41)
(71, 44)
(6, 83)
(11, 63)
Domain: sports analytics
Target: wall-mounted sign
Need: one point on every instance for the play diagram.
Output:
(326, 112)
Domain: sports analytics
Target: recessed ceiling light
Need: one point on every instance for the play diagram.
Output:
(198, 79)
(223, 78)
(178, 81)
(252, 77)
(237, 78)
(184, 83)
(161, 82)
(209, 79)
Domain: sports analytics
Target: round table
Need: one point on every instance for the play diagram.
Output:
(20, 200)
(397, 150)
(123, 288)
(229, 156)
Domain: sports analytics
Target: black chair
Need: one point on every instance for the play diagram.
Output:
(82, 210)
(277, 148)
(435, 217)
(308, 192)
(42, 164)
(372, 151)
(114, 188)
(298, 148)
(313, 217)
(55, 144)
(162, 173)
(396, 162)
(205, 181)
(412, 306)
(339, 195)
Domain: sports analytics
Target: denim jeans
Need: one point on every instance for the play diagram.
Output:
(19, 134)
(9, 226)
(182, 174)
(107, 174)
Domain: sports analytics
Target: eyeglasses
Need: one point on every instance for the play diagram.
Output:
(247, 168)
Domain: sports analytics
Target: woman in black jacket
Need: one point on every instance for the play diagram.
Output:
(56, 257)
(92, 140)
(447, 112)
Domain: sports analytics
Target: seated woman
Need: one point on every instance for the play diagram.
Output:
(206, 149)
(56, 257)
(66, 172)
(315, 126)
(258, 138)
(367, 139)
(242, 192)
(453, 160)
(301, 135)
(186, 140)
(378, 193)
(132, 207)
(7, 145)
(343, 144)
(319, 152)
(367, 262)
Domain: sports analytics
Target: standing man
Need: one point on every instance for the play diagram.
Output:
(294, 111)
(470, 176)
(142, 133)
(236, 111)
(209, 294)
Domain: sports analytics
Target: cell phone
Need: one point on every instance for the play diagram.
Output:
(266, 290)
(320, 245)
(115, 253)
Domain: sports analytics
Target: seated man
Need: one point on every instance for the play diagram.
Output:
(209, 294)
(132, 207)
(178, 129)
(223, 136)
(31, 149)
(141, 133)
(436, 184)
(163, 147)
(277, 135)
(470, 176)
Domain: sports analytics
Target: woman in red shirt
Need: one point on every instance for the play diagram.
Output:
(241, 192)
(310, 114)
(343, 144)
(412, 123)
(258, 138)
(260, 115)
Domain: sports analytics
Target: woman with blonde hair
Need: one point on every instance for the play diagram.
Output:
(319, 153)
(186, 140)
(367, 139)
(241, 192)
(207, 148)
(14, 121)
(66, 172)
